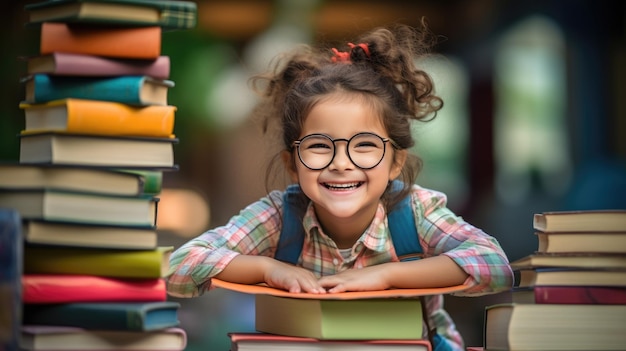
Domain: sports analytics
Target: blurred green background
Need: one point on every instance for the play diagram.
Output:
(533, 120)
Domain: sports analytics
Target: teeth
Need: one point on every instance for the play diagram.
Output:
(343, 186)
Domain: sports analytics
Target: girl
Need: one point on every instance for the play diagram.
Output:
(345, 121)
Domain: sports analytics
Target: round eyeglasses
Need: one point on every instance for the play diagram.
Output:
(365, 150)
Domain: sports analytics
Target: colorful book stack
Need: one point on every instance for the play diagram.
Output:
(369, 320)
(98, 137)
(571, 293)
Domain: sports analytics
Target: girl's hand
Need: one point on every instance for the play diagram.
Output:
(363, 279)
(293, 279)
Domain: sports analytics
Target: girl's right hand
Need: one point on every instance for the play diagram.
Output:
(293, 279)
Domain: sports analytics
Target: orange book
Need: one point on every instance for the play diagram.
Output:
(122, 42)
(99, 118)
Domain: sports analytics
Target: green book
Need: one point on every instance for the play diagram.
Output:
(325, 319)
(168, 14)
(138, 316)
(98, 262)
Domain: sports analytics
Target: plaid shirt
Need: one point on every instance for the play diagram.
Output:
(255, 231)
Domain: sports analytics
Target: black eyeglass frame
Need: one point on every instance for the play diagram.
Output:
(296, 144)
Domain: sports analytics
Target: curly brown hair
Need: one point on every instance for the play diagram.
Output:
(384, 76)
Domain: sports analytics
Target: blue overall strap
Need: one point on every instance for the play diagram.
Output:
(292, 233)
(401, 222)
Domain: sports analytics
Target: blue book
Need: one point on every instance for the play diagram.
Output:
(11, 251)
(132, 90)
(134, 316)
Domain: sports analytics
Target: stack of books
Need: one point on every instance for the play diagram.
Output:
(368, 320)
(98, 136)
(571, 293)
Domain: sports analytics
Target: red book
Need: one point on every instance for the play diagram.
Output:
(51, 288)
(65, 64)
(262, 341)
(582, 295)
(121, 42)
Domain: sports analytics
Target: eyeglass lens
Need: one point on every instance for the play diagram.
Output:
(365, 150)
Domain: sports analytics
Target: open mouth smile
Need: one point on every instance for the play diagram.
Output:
(342, 186)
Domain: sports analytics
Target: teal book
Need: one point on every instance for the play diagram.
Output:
(132, 90)
(133, 316)
(11, 251)
(169, 14)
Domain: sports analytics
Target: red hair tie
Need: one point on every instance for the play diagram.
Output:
(342, 56)
(363, 46)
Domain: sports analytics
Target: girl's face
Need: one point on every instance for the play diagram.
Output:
(343, 192)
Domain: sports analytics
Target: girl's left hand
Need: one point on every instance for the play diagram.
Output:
(363, 279)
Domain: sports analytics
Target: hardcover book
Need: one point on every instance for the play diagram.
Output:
(580, 260)
(581, 221)
(10, 275)
(79, 179)
(554, 327)
(66, 64)
(52, 338)
(600, 242)
(97, 150)
(107, 41)
(99, 262)
(64, 288)
(85, 208)
(132, 90)
(565, 276)
(90, 235)
(586, 295)
(137, 316)
(167, 14)
(264, 341)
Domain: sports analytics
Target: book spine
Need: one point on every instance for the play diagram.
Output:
(104, 263)
(53, 288)
(123, 89)
(597, 295)
(111, 118)
(122, 42)
(10, 275)
(152, 180)
(98, 66)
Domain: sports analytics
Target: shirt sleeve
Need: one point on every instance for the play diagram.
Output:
(477, 253)
(254, 231)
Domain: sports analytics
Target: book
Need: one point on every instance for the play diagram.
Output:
(581, 221)
(52, 338)
(86, 235)
(601, 295)
(398, 318)
(565, 276)
(99, 262)
(556, 242)
(95, 117)
(107, 41)
(76, 207)
(80, 179)
(63, 288)
(138, 316)
(263, 341)
(152, 179)
(133, 90)
(570, 260)
(554, 327)
(10, 275)
(167, 14)
(97, 150)
(66, 64)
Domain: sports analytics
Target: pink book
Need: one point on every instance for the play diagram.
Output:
(51, 288)
(59, 63)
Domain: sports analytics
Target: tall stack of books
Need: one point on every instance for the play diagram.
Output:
(368, 320)
(98, 136)
(571, 293)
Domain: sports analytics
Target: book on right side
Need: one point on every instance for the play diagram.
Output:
(78, 65)
(134, 316)
(133, 90)
(571, 327)
(570, 294)
(97, 150)
(272, 342)
(107, 41)
(53, 338)
(581, 221)
(96, 117)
